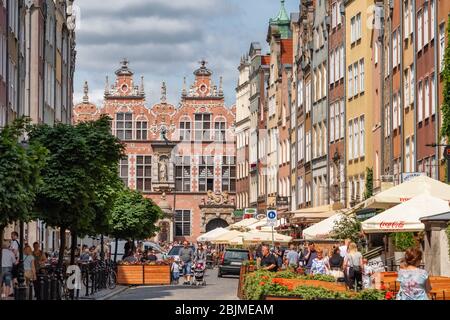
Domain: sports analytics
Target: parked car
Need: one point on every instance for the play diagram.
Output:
(232, 260)
(148, 245)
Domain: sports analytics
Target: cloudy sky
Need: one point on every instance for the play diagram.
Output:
(164, 40)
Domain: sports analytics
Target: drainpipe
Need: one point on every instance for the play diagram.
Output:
(391, 89)
(436, 85)
(402, 127)
(382, 78)
(415, 84)
(7, 64)
(344, 152)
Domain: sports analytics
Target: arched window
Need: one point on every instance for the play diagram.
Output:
(141, 128)
(185, 129)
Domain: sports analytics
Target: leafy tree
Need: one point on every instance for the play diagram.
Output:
(404, 240)
(80, 157)
(445, 130)
(369, 183)
(20, 169)
(349, 227)
(134, 216)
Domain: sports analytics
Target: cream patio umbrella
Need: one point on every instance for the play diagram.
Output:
(322, 229)
(206, 237)
(258, 237)
(243, 223)
(406, 191)
(405, 217)
(226, 237)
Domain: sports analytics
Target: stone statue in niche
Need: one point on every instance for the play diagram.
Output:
(163, 169)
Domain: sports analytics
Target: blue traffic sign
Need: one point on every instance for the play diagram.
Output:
(272, 215)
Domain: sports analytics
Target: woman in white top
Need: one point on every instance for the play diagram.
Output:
(353, 264)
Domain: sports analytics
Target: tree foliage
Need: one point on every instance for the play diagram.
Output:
(135, 216)
(20, 169)
(369, 183)
(76, 187)
(445, 130)
(349, 227)
(404, 240)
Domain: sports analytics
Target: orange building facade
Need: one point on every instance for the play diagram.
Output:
(182, 157)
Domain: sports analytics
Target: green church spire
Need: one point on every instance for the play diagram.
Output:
(282, 21)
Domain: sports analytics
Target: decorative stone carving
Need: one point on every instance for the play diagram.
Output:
(163, 169)
(217, 199)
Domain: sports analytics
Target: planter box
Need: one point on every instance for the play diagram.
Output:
(130, 275)
(244, 271)
(156, 275)
(143, 275)
(293, 283)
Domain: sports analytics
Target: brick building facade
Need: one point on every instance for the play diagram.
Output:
(181, 157)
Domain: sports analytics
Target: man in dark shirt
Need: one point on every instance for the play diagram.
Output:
(268, 260)
(310, 255)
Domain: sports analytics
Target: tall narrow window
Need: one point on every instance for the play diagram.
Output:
(433, 19)
(342, 119)
(361, 75)
(407, 156)
(202, 127)
(220, 128)
(337, 121)
(144, 173)
(123, 170)
(433, 95)
(406, 19)
(425, 25)
(350, 140)
(395, 112)
(141, 130)
(355, 78)
(427, 99)
(419, 30)
(124, 126)
(229, 174)
(183, 174)
(185, 130)
(412, 86)
(206, 173)
(332, 61)
(182, 223)
(420, 103)
(350, 81)
(356, 138)
(441, 46)
(331, 123)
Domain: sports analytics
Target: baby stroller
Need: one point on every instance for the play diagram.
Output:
(199, 274)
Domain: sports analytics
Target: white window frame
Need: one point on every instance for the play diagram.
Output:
(426, 34)
(420, 102)
(433, 95)
(433, 18)
(332, 123)
(419, 30)
(361, 76)
(350, 81)
(427, 98)
(362, 136)
(350, 140)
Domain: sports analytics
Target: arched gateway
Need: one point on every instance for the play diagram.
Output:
(216, 223)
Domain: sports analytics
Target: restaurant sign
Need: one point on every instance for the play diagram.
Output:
(411, 175)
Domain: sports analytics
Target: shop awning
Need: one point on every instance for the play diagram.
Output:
(322, 229)
(406, 191)
(405, 217)
(315, 213)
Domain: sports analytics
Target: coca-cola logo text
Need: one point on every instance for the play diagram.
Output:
(392, 225)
